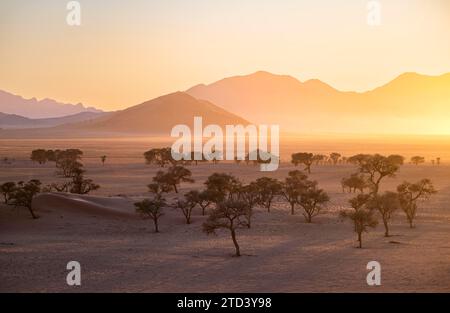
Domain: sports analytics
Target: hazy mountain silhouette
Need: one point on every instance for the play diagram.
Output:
(13, 121)
(313, 106)
(160, 115)
(33, 108)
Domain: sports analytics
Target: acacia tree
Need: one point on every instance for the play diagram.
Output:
(362, 220)
(376, 167)
(318, 158)
(410, 193)
(250, 194)
(68, 162)
(151, 209)
(416, 160)
(292, 188)
(304, 158)
(312, 200)
(7, 190)
(386, 204)
(39, 155)
(354, 182)
(80, 185)
(334, 157)
(103, 159)
(231, 215)
(221, 187)
(203, 199)
(174, 176)
(24, 193)
(268, 189)
(186, 206)
(159, 156)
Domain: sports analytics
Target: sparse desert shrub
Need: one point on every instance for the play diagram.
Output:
(386, 204)
(7, 190)
(410, 193)
(151, 209)
(231, 215)
(24, 193)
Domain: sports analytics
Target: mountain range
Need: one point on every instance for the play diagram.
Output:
(14, 121)
(411, 104)
(33, 108)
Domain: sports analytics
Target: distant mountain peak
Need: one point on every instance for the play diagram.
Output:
(34, 108)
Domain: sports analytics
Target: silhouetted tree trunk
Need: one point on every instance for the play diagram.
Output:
(155, 221)
(360, 240)
(236, 245)
(34, 216)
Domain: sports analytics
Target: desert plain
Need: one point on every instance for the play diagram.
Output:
(119, 252)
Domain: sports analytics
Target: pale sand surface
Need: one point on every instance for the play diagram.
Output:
(119, 252)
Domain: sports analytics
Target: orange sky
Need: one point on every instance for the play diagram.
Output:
(122, 54)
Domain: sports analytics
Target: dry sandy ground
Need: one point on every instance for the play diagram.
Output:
(119, 252)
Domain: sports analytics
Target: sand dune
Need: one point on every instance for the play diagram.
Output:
(102, 206)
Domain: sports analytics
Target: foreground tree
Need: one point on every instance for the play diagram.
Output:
(186, 206)
(362, 220)
(231, 215)
(386, 204)
(221, 187)
(24, 193)
(312, 200)
(250, 194)
(174, 176)
(376, 167)
(68, 162)
(304, 158)
(151, 209)
(410, 193)
(354, 182)
(7, 190)
(202, 198)
(268, 189)
(80, 185)
(292, 188)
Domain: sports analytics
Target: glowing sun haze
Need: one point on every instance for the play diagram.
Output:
(127, 52)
